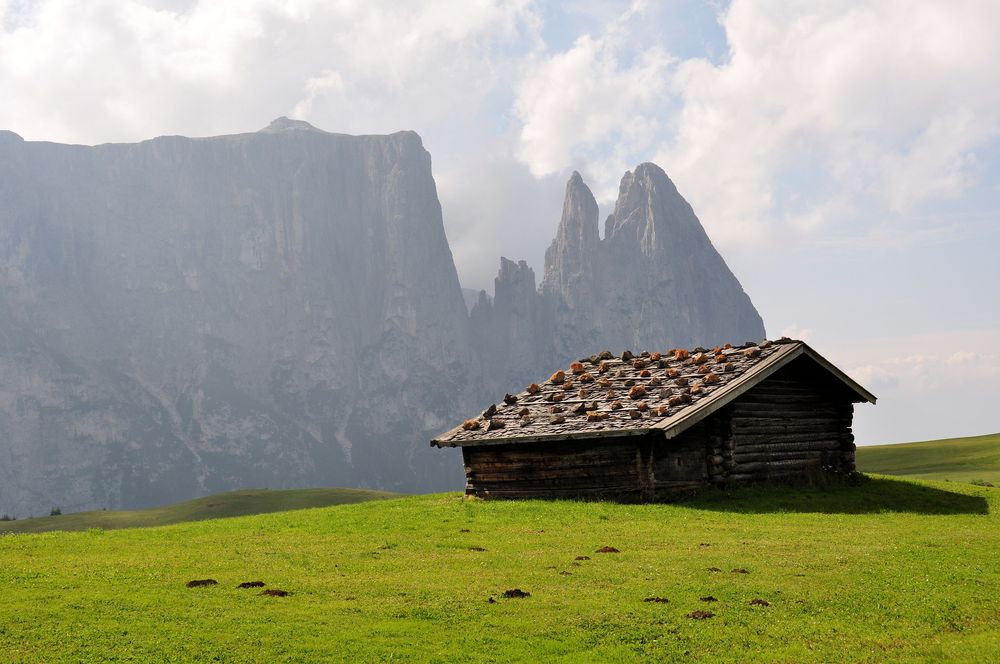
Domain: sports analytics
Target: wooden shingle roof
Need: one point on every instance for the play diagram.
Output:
(634, 395)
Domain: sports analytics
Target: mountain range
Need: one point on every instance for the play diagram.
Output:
(182, 316)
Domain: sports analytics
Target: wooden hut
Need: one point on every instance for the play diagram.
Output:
(642, 427)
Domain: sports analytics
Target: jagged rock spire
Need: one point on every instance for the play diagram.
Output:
(651, 215)
(569, 259)
(666, 281)
(512, 328)
(654, 280)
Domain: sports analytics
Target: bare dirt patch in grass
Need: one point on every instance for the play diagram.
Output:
(516, 593)
(275, 592)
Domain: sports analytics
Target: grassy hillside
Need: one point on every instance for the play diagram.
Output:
(956, 459)
(232, 503)
(891, 570)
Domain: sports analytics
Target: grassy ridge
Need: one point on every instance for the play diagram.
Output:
(893, 569)
(229, 504)
(975, 459)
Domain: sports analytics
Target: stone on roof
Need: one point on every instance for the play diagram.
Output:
(630, 394)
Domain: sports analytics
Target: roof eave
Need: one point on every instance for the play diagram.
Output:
(538, 438)
(688, 417)
(674, 426)
(865, 395)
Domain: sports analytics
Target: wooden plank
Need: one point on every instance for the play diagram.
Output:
(803, 419)
(751, 409)
(802, 455)
(677, 486)
(823, 445)
(532, 466)
(542, 490)
(806, 430)
(762, 394)
(793, 397)
(554, 479)
(779, 464)
(749, 430)
(786, 435)
(763, 477)
(561, 487)
(577, 475)
(555, 463)
(535, 468)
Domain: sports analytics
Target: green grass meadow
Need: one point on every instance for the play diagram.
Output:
(893, 569)
(218, 506)
(975, 459)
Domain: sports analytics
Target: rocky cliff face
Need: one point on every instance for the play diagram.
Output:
(184, 316)
(570, 260)
(653, 281)
(512, 332)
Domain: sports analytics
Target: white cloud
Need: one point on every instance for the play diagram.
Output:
(594, 103)
(963, 357)
(327, 82)
(929, 386)
(886, 100)
(822, 114)
(101, 70)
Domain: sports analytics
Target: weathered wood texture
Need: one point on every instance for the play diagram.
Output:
(635, 467)
(794, 424)
(557, 470)
(680, 463)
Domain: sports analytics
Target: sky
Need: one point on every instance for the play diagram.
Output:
(844, 156)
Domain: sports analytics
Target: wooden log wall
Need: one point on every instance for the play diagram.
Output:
(683, 462)
(566, 469)
(794, 424)
(624, 468)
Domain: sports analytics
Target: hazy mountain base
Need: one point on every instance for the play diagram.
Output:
(184, 316)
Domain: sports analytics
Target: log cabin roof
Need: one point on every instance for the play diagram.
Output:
(605, 395)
